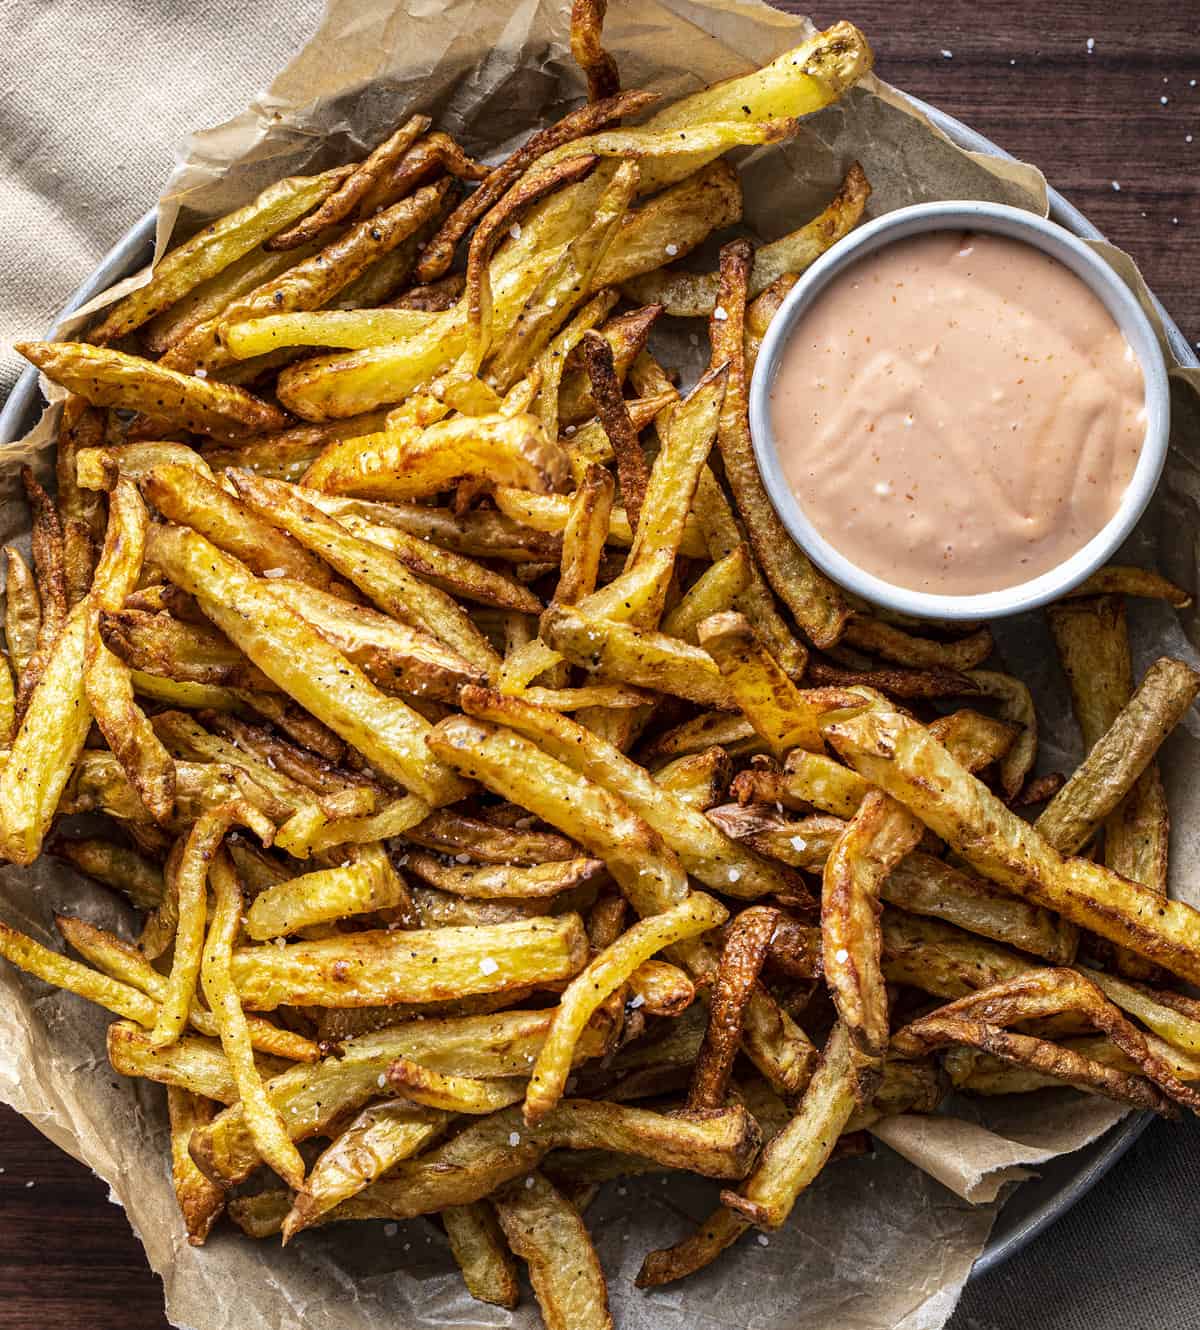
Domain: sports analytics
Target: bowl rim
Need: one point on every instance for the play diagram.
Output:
(1076, 255)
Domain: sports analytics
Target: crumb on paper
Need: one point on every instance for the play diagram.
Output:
(1091, 45)
(947, 55)
(390, 1230)
(1116, 184)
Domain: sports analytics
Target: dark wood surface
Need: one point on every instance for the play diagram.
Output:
(1020, 72)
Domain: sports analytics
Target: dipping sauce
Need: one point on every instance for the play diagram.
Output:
(958, 413)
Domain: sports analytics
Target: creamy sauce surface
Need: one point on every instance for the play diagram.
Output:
(958, 413)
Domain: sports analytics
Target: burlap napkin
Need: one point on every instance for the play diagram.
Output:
(96, 99)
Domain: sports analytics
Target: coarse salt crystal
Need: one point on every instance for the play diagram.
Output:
(841, 955)
(274, 572)
(672, 250)
(382, 1081)
(1174, 221)
(570, 429)
(763, 1240)
(514, 1138)
(719, 314)
(1164, 100)
(390, 1230)
(947, 55)
(529, 1180)
(200, 373)
(515, 230)
(1091, 45)
(636, 1001)
(799, 844)
(551, 301)
(734, 874)
(488, 966)
(1187, 138)
(462, 858)
(1116, 184)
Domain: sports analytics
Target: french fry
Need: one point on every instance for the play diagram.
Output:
(793, 1158)
(660, 989)
(122, 869)
(626, 335)
(1118, 579)
(632, 471)
(689, 918)
(159, 644)
(1016, 707)
(598, 66)
(1120, 756)
(129, 965)
(200, 1200)
(99, 468)
(380, 1136)
(715, 591)
(364, 969)
(182, 495)
(22, 611)
(742, 956)
(302, 663)
(694, 295)
(196, 1065)
(548, 513)
(430, 155)
(451, 832)
(366, 884)
(106, 681)
(720, 1230)
(703, 850)
(307, 284)
(815, 603)
(287, 454)
(701, 780)
(505, 883)
(113, 378)
(215, 247)
(810, 778)
(439, 253)
(265, 1125)
(545, 1230)
(784, 716)
(904, 760)
(452, 1094)
(478, 1247)
(311, 1098)
(761, 310)
(878, 838)
(895, 681)
(343, 201)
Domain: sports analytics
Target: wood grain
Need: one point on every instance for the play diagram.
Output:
(1019, 72)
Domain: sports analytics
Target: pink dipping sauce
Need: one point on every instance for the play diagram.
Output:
(958, 413)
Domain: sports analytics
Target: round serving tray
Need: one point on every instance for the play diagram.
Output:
(1035, 1204)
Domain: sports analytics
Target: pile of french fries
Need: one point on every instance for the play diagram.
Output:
(510, 803)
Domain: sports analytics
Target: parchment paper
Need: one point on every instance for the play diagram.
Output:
(876, 1244)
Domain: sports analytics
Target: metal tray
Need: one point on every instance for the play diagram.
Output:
(1035, 1204)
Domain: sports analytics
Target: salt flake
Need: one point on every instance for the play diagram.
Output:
(514, 1138)
(947, 55)
(719, 314)
(841, 955)
(636, 1001)
(672, 250)
(799, 844)
(274, 572)
(488, 965)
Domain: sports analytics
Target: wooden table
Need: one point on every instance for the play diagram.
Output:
(1093, 117)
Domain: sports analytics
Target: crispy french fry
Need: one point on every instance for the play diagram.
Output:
(99, 468)
(715, 591)
(266, 1127)
(1120, 756)
(122, 869)
(159, 644)
(598, 66)
(813, 600)
(381, 1135)
(909, 764)
(689, 918)
(1118, 579)
(22, 611)
(704, 851)
(720, 1230)
(545, 1230)
(1016, 707)
(701, 780)
(364, 969)
(452, 1094)
(761, 310)
(311, 1098)
(200, 1200)
(810, 778)
(507, 882)
(742, 956)
(197, 1065)
(660, 989)
(366, 884)
(794, 1157)
(215, 247)
(894, 644)
(113, 378)
(477, 1244)
(302, 663)
(694, 295)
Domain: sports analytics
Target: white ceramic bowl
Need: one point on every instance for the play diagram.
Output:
(1120, 302)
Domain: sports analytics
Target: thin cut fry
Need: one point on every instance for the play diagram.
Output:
(600, 69)
(452, 1094)
(1117, 579)
(200, 1200)
(477, 1244)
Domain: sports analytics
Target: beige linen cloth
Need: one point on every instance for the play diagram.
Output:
(96, 99)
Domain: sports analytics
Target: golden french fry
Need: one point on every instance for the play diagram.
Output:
(263, 1121)
(689, 918)
(715, 591)
(793, 1158)
(122, 869)
(810, 778)
(813, 600)
(363, 969)
(197, 1065)
(1016, 707)
(380, 1136)
(215, 247)
(113, 378)
(453, 833)
(200, 1200)
(452, 1094)
(98, 468)
(1117, 579)
(701, 780)
(478, 1247)
(694, 295)
(507, 882)
(903, 759)
(545, 1230)
(720, 1230)
(22, 611)
(366, 884)
(1119, 756)
(388, 733)
(193, 653)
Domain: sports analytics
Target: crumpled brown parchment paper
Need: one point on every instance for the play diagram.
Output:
(876, 1244)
